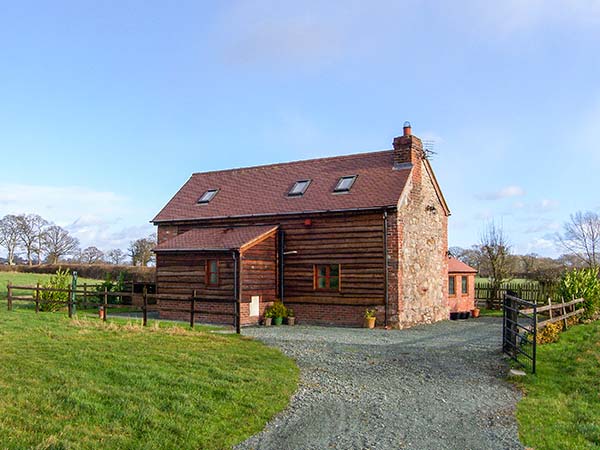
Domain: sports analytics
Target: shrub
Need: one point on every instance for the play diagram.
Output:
(53, 300)
(111, 286)
(277, 309)
(550, 333)
(582, 283)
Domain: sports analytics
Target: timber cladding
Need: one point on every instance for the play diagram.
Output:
(353, 241)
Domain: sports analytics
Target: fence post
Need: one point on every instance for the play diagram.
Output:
(192, 308)
(37, 297)
(9, 295)
(535, 324)
(564, 311)
(550, 305)
(69, 303)
(105, 304)
(145, 306)
(84, 295)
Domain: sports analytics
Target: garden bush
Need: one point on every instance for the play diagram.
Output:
(550, 333)
(582, 283)
(52, 300)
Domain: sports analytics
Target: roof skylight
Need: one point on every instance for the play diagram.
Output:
(299, 188)
(345, 183)
(207, 196)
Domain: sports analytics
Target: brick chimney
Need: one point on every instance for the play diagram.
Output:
(408, 149)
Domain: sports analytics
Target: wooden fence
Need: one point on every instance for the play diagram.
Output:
(150, 302)
(565, 311)
(537, 292)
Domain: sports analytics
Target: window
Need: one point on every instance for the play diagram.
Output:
(207, 196)
(465, 285)
(327, 277)
(451, 290)
(299, 188)
(212, 272)
(345, 183)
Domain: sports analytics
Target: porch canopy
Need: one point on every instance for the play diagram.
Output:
(217, 239)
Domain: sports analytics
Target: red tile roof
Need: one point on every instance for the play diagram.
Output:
(216, 238)
(263, 190)
(456, 266)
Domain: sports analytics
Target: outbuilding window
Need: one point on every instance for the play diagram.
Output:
(327, 277)
(465, 284)
(451, 287)
(212, 272)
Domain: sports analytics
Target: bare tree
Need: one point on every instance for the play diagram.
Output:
(92, 255)
(581, 237)
(9, 236)
(140, 250)
(30, 228)
(116, 256)
(495, 250)
(58, 243)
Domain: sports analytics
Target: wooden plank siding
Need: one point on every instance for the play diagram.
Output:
(352, 239)
(258, 276)
(180, 273)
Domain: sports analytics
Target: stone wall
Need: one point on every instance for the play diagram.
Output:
(423, 243)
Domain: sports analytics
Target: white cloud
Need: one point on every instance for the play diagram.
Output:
(506, 192)
(104, 219)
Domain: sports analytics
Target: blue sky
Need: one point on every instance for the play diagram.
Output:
(106, 108)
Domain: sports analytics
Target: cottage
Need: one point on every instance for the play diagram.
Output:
(461, 286)
(330, 237)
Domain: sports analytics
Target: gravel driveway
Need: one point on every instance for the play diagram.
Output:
(430, 387)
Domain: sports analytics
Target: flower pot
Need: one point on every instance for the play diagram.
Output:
(277, 320)
(369, 322)
(475, 313)
(454, 315)
(268, 321)
(291, 320)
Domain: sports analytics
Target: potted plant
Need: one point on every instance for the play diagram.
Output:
(370, 318)
(279, 312)
(268, 316)
(291, 319)
(475, 311)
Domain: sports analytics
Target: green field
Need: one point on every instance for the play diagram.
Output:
(82, 383)
(30, 279)
(561, 408)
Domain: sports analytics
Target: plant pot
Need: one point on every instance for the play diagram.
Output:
(475, 313)
(291, 321)
(277, 320)
(369, 322)
(268, 321)
(454, 315)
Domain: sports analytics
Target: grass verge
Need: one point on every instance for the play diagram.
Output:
(86, 384)
(561, 408)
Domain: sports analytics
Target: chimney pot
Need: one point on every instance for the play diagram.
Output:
(407, 128)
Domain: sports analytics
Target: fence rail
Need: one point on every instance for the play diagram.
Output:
(151, 302)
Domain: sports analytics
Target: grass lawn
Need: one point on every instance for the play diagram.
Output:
(30, 279)
(85, 384)
(561, 409)
(490, 312)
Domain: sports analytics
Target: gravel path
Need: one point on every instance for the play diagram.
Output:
(430, 387)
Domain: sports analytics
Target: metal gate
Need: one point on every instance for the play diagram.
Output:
(519, 330)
